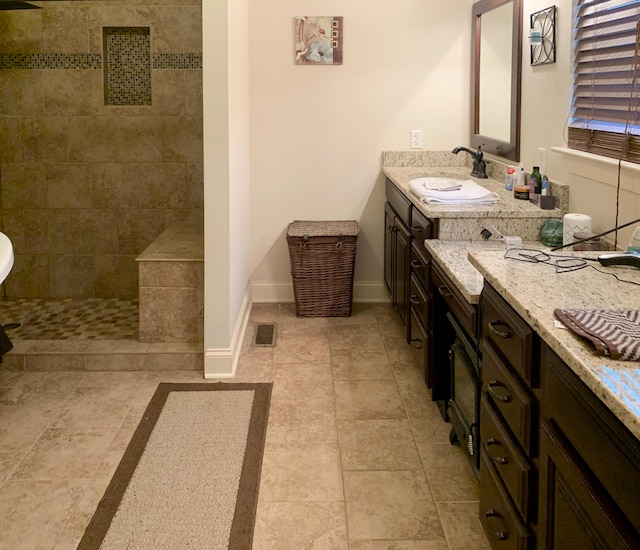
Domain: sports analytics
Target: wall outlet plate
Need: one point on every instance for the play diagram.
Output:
(416, 139)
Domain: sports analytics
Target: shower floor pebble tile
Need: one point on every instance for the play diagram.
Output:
(70, 319)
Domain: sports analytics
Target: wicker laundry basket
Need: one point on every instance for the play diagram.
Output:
(323, 255)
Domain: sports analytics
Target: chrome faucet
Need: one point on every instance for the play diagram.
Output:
(479, 164)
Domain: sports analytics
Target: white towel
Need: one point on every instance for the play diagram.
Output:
(446, 191)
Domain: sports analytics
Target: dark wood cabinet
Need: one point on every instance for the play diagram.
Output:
(589, 467)
(508, 422)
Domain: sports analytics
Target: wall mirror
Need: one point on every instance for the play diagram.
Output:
(496, 70)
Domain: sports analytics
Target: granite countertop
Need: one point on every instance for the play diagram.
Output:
(507, 207)
(534, 290)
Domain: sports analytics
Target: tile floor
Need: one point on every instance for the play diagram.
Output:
(356, 458)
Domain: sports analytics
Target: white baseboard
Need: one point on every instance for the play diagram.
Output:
(222, 362)
(270, 292)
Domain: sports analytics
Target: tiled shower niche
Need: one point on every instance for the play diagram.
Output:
(127, 65)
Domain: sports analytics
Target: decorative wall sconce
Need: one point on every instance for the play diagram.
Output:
(542, 36)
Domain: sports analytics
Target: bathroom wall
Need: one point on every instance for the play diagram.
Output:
(85, 186)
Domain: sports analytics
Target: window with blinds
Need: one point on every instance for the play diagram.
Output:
(606, 92)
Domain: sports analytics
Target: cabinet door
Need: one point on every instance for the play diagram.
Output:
(575, 511)
(420, 341)
(389, 233)
(401, 271)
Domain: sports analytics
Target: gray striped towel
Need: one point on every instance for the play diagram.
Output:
(615, 333)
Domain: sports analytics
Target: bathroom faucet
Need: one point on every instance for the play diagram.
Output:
(479, 165)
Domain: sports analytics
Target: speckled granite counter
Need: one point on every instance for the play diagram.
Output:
(511, 216)
(453, 258)
(535, 290)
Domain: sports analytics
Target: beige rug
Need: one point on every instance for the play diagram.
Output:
(190, 475)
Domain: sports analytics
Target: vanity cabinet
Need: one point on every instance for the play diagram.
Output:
(509, 421)
(589, 467)
(405, 225)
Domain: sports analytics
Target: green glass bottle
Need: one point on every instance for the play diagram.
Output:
(535, 185)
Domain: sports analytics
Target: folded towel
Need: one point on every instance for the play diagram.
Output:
(615, 333)
(434, 190)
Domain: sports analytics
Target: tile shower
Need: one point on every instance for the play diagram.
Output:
(101, 147)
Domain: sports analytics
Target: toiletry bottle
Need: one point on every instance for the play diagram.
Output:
(520, 180)
(634, 243)
(508, 179)
(535, 185)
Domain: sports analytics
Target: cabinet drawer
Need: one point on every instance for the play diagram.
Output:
(400, 203)
(510, 464)
(508, 395)
(604, 444)
(510, 335)
(419, 301)
(421, 226)
(499, 519)
(421, 265)
(464, 312)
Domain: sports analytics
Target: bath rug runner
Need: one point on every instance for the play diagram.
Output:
(190, 475)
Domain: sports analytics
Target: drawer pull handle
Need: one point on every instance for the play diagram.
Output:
(497, 332)
(416, 343)
(491, 389)
(499, 534)
(497, 459)
(415, 300)
(444, 290)
(417, 228)
(416, 264)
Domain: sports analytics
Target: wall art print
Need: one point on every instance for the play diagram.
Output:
(318, 40)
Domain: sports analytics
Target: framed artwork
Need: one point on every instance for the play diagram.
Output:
(318, 40)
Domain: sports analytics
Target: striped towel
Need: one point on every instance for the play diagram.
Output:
(615, 333)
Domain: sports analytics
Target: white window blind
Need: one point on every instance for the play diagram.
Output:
(605, 114)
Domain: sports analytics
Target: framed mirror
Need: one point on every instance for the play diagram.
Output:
(496, 70)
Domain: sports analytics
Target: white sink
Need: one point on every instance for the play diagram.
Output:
(6, 257)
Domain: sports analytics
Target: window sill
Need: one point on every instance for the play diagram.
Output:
(629, 167)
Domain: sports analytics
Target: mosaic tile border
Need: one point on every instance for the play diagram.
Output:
(177, 61)
(50, 61)
(92, 61)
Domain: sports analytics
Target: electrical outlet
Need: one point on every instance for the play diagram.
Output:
(416, 139)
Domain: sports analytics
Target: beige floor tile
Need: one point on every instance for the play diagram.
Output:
(73, 531)
(302, 349)
(300, 525)
(65, 454)
(21, 426)
(378, 445)
(264, 313)
(390, 505)
(99, 483)
(363, 337)
(301, 326)
(462, 525)
(430, 428)
(368, 399)
(8, 463)
(255, 365)
(360, 365)
(9, 378)
(35, 512)
(301, 392)
(320, 429)
(361, 314)
(398, 545)
(103, 407)
(448, 472)
(110, 379)
(48, 388)
(301, 473)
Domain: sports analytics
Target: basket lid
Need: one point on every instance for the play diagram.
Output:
(323, 228)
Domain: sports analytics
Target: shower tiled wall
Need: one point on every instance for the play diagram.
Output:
(85, 187)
